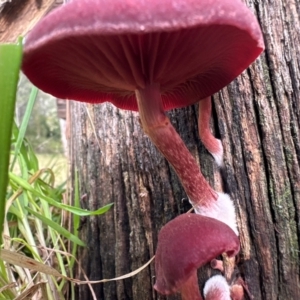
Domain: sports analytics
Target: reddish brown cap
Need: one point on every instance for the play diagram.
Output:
(185, 244)
(97, 51)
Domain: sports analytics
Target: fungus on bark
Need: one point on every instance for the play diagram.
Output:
(216, 288)
(148, 56)
(217, 265)
(213, 145)
(185, 244)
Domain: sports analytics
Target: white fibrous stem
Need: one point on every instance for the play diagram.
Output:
(212, 144)
(216, 288)
(158, 127)
(222, 210)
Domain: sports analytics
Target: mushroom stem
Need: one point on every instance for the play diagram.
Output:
(237, 292)
(217, 264)
(213, 145)
(216, 288)
(158, 127)
(190, 289)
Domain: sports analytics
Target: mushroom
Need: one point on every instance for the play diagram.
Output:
(237, 292)
(216, 288)
(185, 244)
(217, 265)
(213, 145)
(238, 289)
(147, 56)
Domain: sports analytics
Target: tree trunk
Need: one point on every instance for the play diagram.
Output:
(17, 17)
(257, 118)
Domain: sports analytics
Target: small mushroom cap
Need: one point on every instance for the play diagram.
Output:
(185, 244)
(103, 50)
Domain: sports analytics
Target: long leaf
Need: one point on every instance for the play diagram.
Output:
(23, 127)
(23, 261)
(10, 61)
(57, 227)
(78, 211)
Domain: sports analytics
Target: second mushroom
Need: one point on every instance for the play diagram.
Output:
(185, 244)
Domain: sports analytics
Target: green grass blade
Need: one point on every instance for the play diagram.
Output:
(78, 211)
(57, 227)
(83, 212)
(76, 219)
(23, 126)
(10, 62)
(25, 153)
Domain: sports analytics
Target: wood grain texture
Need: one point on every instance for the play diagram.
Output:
(17, 17)
(257, 118)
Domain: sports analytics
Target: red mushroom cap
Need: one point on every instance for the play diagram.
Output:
(185, 244)
(97, 51)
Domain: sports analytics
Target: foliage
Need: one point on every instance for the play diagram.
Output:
(10, 60)
(43, 124)
(38, 251)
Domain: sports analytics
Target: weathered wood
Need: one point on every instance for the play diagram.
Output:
(17, 17)
(258, 119)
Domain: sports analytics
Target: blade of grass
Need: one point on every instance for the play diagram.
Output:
(76, 224)
(81, 212)
(76, 218)
(57, 227)
(10, 61)
(26, 153)
(30, 292)
(23, 126)
(21, 260)
(6, 289)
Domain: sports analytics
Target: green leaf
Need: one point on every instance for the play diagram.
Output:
(10, 62)
(83, 212)
(78, 211)
(57, 227)
(23, 126)
(76, 219)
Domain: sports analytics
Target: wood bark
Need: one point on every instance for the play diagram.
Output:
(257, 118)
(17, 17)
